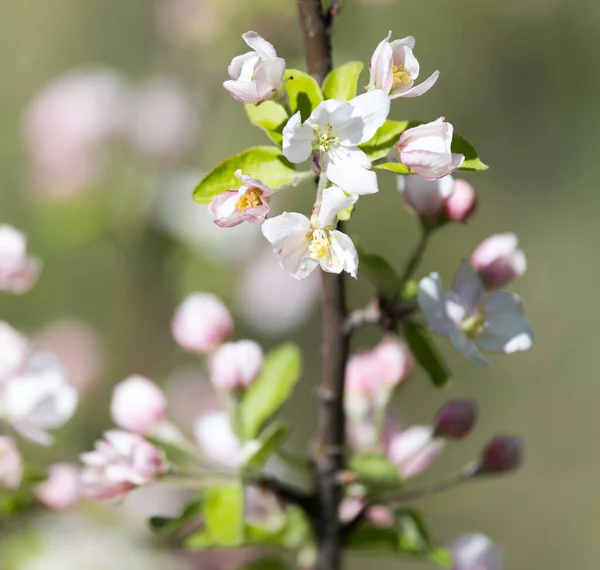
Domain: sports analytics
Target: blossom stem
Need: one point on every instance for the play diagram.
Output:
(417, 255)
(329, 455)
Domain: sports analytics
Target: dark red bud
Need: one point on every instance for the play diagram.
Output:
(501, 455)
(456, 419)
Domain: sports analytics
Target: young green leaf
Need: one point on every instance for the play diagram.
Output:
(303, 91)
(472, 160)
(271, 117)
(263, 162)
(271, 439)
(167, 526)
(371, 538)
(395, 167)
(385, 138)
(266, 564)
(223, 512)
(342, 82)
(378, 271)
(281, 371)
(427, 355)
(376, 471)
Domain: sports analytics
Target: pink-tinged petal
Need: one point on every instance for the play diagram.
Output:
(381, 66)
(223, 209)
(344, 252)
(269, 77)
(334, 201)
(498, 260)
(240, 63)
(11, 464)
(253, 183)
(368, 113)
(14, 350)
(297, 140)
(138, 405)
(408, 41)
(421, 460)
(468, 287)
(431, 165)
(403, 56)
(349, 168)
(217, 440)
(425, 197)
(262, 47)
(417, 90)
(467, 348)
(62, 488)
(236, 365)
(243, 91)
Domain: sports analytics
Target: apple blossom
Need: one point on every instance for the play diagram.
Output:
(334, 130)
(304, 244)
(201, 323)
(138, 405)
(462, 202)
(498, 260)
(62, 488)
(119, 463)
(257, 75)
(456, 419)
(394, 69)
(426, 150)
(37, 398)
(11, 464)
(413, 450)
(236, 365)
(18, 271)
(14, 349)
(472, 318)
(216, 439)
(247, 204)
(476, 552)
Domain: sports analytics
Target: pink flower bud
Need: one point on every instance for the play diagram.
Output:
(456, 419)
(476, 552)
(380, 516)
(361, 383)
(201, 323)
(462, 202)
(216, 439)
(426, 197)
(18, 271)
(498, 260)
(236, 365)
(501, 455)
(62, 488)
(426, 149)
(394, 360)
(119, 463)
(413, 450)
(138, 405)
(11, 465)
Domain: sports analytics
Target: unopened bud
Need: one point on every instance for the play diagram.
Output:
(498, 260)
(501, 455)
(395, 361)
(426, 197)
(62, 488)
(455, 419)
(201, 323)
(11, 464)
(461, 203)
(138, 405)
(236, 365)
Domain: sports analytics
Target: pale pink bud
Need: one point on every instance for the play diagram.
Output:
(138, 405)
(498, 260)
(426, 197)
(62, 488)
(235, 365)
(216, 439)
(426, 149)
(455, 419)
(414, 449)
(11, 464)
(395, 361)
(361, 383)
(476, 552)
(201, 323)
(119, 463)
(501, 455)
(18, 271)
(350, 508)
(462, 202)
(380, 516)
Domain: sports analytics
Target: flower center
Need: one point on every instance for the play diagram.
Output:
(250, 199)
(319, 244)
(400, 76)
(473, 326)
(325, 139)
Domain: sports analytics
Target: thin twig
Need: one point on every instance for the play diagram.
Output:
(417, 255)
(288, 494)
(333, 12)
(369, 315)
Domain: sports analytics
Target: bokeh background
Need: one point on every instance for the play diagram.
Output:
(122, 242)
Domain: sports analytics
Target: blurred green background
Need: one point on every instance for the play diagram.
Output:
(516, 80)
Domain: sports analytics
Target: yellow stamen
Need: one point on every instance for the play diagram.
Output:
(473, 326)
(325, 140)
(319, 245)
(400, 76)
(250, 199)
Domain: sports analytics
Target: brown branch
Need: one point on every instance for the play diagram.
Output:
(329, 452)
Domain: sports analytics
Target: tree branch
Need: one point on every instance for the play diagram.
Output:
(329, 454)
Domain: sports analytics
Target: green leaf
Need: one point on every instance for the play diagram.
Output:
(15, 502)
(271, 117)
(223, 511)
(270, 440)
(345, 214)
(303, 91)
(395, 167)
(386, 137)
(442, 557)
(426, 354)
(472, 160)
(281, 371)
(263, 162)
(413, 534)
(342, 82)
(373, 539)
(199, 540)
(378, 271)
(375, 470)
(167, 526)
(266, 564)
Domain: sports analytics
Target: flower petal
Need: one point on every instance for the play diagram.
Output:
(269, 77)
(243, 91)
(507, 334)
(418, 90)
(343, 249)
(297, 139)
(368, 112)
(334, 201)
(467, 348)
(223, 209)
(408, 41)
(241, 65)
(250, 182)
(381, 66)
(468, 287)
(262, 47)
(349, 168)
